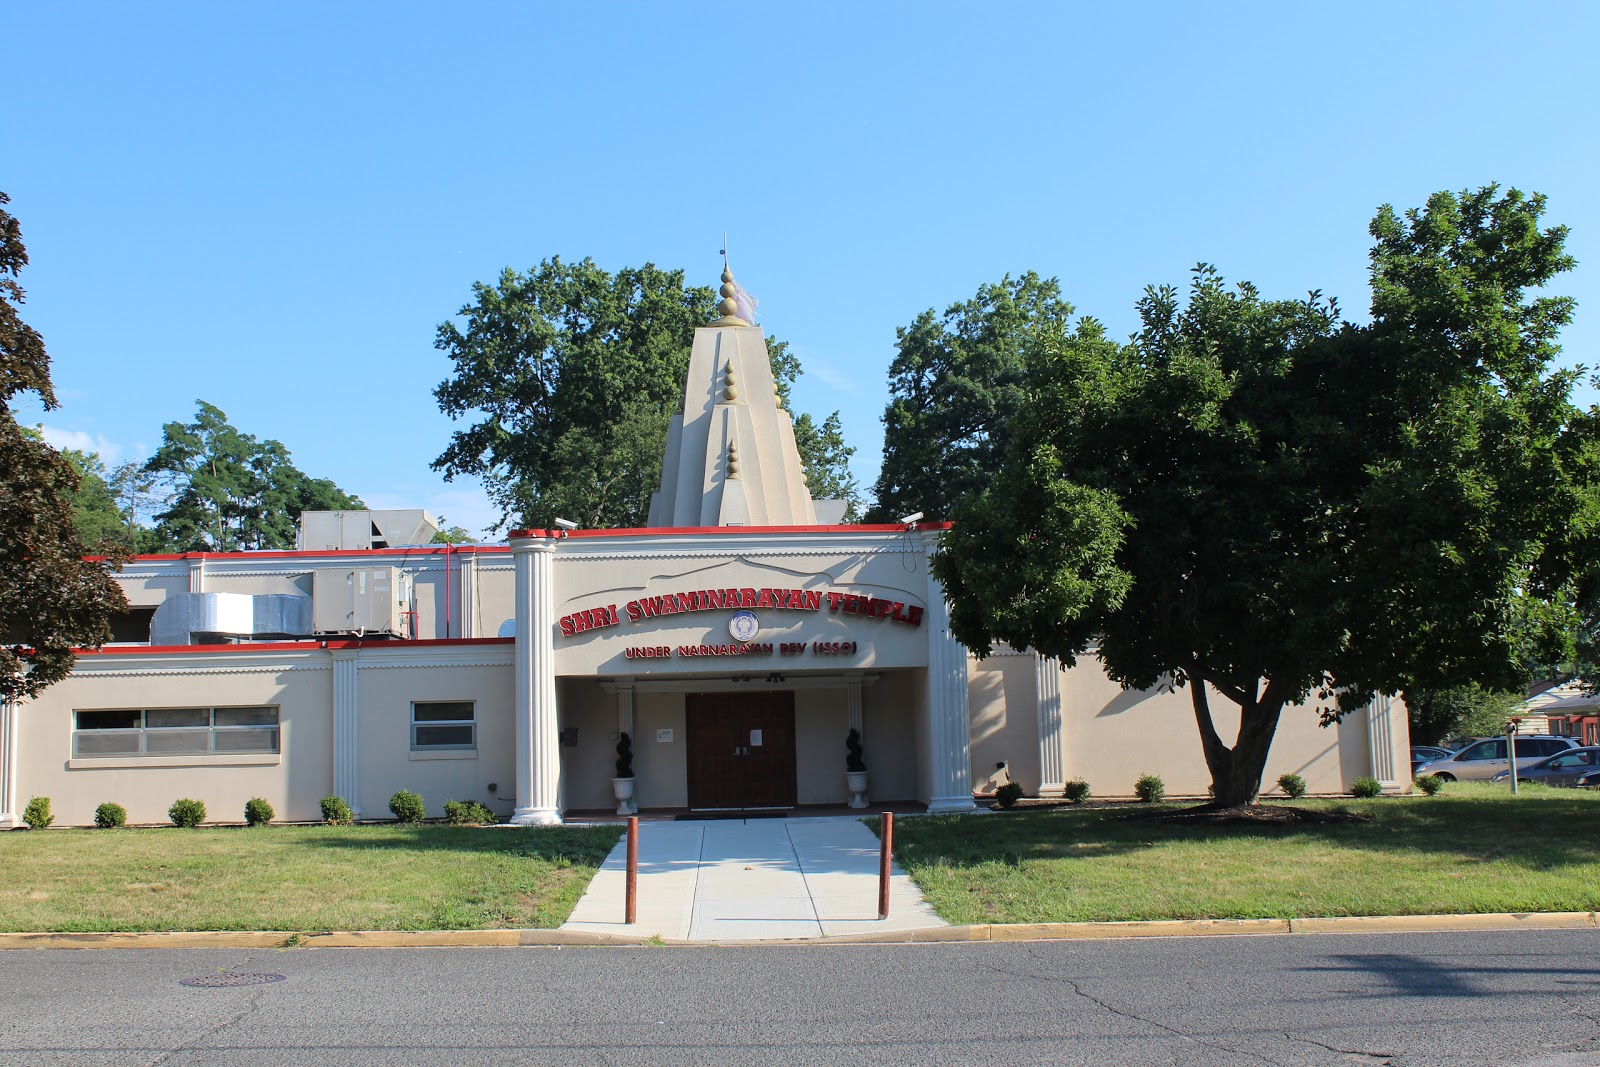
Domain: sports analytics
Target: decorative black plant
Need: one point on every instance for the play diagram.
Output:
(624, 756)
(853, 762)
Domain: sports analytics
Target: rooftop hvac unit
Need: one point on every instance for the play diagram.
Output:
(361, 600)
(332, 531)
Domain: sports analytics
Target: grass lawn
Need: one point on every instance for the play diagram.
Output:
(1472, 848)
(296, 878)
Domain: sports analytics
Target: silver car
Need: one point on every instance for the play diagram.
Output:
(1564, 768)
(1482, 760)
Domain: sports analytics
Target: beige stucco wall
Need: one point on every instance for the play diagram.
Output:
(1113, 736)
(387, 762)
(1002, 701)
(291, 581)
(662, 766)
(493, 594)
(293, 781)
(891, 740)
(821, 721)
(148, 588)
(587, 768)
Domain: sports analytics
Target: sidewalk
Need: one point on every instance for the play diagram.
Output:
(751, 880)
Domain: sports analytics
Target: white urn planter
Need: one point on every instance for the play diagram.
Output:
(857, 781)
(623, 788)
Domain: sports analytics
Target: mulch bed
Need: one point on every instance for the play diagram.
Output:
(1246, 815)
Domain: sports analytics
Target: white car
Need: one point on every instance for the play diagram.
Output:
(1482, 760)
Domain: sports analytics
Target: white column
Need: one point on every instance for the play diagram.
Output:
(467, 571)
(630, 805)
(1052, 752)
(347, 728)
(625, 708)
(1380, 741)
(9, 816)
(197, 574)
(852, 703)
(538, 732)
(946, 719)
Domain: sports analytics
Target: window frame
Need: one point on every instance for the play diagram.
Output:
(143, 733)
(470, 723)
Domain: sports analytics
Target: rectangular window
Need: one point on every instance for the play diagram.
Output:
(443, 724)
(175, 732)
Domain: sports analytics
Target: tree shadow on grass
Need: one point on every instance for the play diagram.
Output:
(1536, 833)
(583, 845)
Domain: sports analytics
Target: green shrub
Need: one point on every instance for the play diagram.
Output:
(1150, 788)
(1293, 785)
(1008, 795)
(1077, 791)
(257, 812)
(468, 812)
(1430, 784)
(37, 813)
(109, 816)
(1366, 786)
(187, 813)
(336, 811)
(407, 806)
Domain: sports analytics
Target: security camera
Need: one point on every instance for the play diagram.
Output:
(915, 516)
(566, 524)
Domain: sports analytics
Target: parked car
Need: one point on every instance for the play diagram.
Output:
(1591, 780)
(1481, 761)
(1421, 754)
(1564, 768)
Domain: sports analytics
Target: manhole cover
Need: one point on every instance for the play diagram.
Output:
(210, 981)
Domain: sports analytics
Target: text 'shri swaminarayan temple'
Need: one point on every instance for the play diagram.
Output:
(737, 641)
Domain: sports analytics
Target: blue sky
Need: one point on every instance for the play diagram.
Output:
(270, 207)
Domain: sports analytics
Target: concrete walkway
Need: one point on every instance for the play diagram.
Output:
(751, 880)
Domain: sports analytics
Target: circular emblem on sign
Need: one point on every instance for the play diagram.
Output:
(744, 626)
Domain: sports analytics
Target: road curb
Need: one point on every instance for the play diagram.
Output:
(1085, 931)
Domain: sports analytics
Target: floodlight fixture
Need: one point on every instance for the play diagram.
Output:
(566, 524)
(915, 516)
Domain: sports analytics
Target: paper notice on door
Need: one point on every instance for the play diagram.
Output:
(755, 738)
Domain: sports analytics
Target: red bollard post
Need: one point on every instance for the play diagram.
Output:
(633, 870)
(885, 859)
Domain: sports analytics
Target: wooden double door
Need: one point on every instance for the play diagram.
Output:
(741, 750)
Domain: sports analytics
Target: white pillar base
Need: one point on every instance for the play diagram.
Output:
(950, 805)
(536, 817)
(1053, 790)
(9, 822)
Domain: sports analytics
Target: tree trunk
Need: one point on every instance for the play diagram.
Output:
(1236, 772)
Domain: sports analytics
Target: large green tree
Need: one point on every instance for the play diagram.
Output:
(231, 492)
(571, 374)
(955, 380)
(52, 600)
(1285, 507)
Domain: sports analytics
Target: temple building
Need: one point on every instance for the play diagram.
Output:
(736, 642)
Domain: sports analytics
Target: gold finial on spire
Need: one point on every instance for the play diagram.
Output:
(728, 306)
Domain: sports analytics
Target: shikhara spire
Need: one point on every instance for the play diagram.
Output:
(731, 458)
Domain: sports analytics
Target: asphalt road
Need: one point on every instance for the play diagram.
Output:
(1519, 997)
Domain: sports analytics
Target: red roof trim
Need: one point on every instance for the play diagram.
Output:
(310, 645)
(667, 531)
